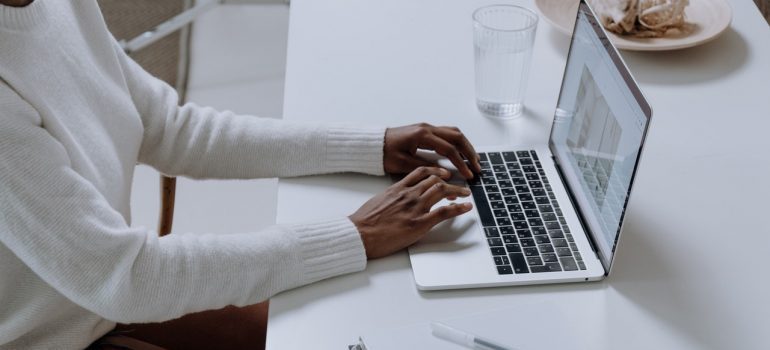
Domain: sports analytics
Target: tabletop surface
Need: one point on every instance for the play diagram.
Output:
(689, 272)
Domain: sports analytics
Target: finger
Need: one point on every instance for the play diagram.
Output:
(446, 212)
(441, 190)
(419, 174)
(446, 149)
(456, 136)
(427, 184)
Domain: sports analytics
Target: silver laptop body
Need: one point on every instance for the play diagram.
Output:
(550, 213)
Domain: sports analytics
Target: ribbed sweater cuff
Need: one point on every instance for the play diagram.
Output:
(330, 248)
(355, 149)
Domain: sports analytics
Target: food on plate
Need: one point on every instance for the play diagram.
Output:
(643, 18)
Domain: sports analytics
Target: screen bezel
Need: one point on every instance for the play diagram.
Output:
(643, 104)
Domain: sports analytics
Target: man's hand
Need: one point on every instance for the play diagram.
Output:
(401, 146)
(400, 216)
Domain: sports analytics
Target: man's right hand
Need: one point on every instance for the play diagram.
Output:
(400, 216)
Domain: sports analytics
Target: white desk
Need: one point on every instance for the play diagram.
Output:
(692, 268)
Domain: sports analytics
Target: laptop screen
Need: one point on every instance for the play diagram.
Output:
(598, 130)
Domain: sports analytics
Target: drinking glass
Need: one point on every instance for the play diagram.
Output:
(503, 37)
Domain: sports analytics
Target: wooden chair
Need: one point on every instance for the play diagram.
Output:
(167, 59)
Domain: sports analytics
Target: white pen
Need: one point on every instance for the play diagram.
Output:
(465, 339)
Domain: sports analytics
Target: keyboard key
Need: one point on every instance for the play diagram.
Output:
(483, 157)
(519, 263)
(533, 177)
(570, 238)
(500, 213)
(509, 192)
(487, 173)
(504, 270)
(506, 230)
(525, 161)
(491, 188)
(519, 216)
(554, 266)
(491, 232)
(513, 247)
(514, 208)
(535, 222)
(495, 242)
(509, 156)
(518, 181)
(526, 242)
(495, 197)
(528, 205)
(563, 252)
(531, 213)
(498, 205)
(499, 260)
(499, 168)
(538, 192)
(485, 165)
(503, 222)
(555, 234)
(532, 251)
(482, 206)
(552, 225)
(542, 200)
(544, 248)
(488, 180)
(498, 251)
(568, 263)
(495, 158)
(578, 256)
(511, 200)
(550, 258)
(534, 260)
(509, 239)
(549, 217)
(534, 155)
(519, 225)
(528, 168)
(573, 246)
(505, 184)
(512, 165)
(542, 239)
(538, 269)
(516, 173)
(525, 197)
(535, 184)
(538, 230)
(523, 234)
(559, 242)
(522, 189)
(522, 154)
(545, 208)
(581, 265)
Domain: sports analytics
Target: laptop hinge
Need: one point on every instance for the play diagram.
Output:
(572, 200)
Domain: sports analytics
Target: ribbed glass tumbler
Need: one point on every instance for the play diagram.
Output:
(503, 38)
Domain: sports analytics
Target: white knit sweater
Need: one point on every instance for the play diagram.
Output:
(76, 115)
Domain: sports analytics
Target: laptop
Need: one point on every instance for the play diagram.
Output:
(550, 213)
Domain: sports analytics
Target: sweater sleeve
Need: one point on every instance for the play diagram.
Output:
(65, 231)
(202, 142)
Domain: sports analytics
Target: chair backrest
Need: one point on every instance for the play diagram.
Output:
(167, 59)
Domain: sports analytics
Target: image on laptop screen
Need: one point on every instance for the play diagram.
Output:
(598, 131)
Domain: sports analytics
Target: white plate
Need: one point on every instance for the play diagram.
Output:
(710, 17)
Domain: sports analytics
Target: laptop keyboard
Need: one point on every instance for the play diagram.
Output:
(522, 220)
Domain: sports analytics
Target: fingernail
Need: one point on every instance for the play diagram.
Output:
(467, 206)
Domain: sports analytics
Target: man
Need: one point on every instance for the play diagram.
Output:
(76, 115)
